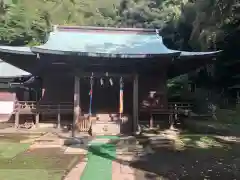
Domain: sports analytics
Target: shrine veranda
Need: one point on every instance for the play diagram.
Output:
(83, 75)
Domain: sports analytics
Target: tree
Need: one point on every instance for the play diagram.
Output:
(148, 14)
(18, 26)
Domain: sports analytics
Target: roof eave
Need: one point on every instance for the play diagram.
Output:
(185, 54)
(106, 55)
(16, 50)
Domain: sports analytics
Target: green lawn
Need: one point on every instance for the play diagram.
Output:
(23, 174)
(19, 163)
(10, 149)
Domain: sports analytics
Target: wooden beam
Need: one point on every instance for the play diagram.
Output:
(100, 74)
(77, 109)
(135, 103)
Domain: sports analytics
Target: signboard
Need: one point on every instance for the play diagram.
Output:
(6, 107)
(6, 102)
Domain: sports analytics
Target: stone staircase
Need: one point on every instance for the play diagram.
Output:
(164, 140)
(129, 146)
(160, 142)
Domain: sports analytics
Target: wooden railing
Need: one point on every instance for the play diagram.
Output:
(46, 107)
(83, 124)
(170, 108)
(49, 108)
(180, 105)
(24, 106)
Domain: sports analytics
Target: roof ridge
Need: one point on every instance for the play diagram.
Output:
(79, 28)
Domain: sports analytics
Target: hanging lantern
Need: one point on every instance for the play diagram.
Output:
(91, 94)
(121, 97)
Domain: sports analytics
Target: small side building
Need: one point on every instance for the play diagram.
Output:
(8, 96)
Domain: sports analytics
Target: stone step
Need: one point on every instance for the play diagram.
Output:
(129, 149)
(159, 138)
(125, 153)
(96, 141)
(129, 146)
(156, 137)
(30, 140)
(49, 142)
(127, 141)
(162, 145)
(44, 146)
(168, 141)
(76, 150)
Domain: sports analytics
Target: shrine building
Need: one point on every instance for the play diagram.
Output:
(82, 73)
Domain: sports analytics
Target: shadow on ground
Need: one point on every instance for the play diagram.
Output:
(202, 157)
(191, 163)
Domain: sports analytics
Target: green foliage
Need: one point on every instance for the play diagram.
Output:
(26, 21)
(208, 21)
(18, 27)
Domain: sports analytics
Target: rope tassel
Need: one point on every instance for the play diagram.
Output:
(111, 81)
(121, 98)
(91, 94)
(101, 82)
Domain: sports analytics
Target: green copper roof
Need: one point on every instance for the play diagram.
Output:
(8, 71)
(104, 42)
(109, 42)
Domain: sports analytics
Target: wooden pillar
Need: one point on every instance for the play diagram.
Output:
(17, 118)
(77, 109)
(17, 108)
(135, 102)
(59, 117)
(37, 119)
